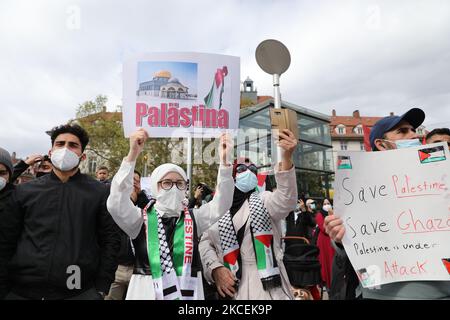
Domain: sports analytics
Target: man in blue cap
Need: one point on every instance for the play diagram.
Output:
(393, 132)
(396, 132)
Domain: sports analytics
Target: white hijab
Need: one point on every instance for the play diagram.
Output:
(168, 202)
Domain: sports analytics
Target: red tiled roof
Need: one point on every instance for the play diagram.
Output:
(349, 121)
(263, 98)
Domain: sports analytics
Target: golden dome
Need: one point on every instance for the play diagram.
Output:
(162, 74)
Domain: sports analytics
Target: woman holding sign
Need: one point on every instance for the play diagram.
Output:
(241, 253)
(165, 233)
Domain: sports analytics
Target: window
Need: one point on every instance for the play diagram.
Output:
(343, 145)
(361, 145)
(92, 165)
(358, 130)
(340, 129)
(419, 131)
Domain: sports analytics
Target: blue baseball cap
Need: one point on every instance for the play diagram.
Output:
(414, 117)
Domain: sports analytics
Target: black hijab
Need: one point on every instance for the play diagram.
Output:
(239, 199)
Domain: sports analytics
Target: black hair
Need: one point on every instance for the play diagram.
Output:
(206, 189)
(443, 131)
(103, 168)
(375, 146)
(74, 129)
(138, 173)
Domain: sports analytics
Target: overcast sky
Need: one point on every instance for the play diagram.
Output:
(375, 56)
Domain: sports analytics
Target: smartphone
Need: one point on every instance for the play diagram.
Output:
(284, 119)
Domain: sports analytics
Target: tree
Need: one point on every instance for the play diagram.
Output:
(92, 107)
(106, 139)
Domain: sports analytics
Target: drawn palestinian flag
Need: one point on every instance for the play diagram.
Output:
(446, 263)
(214, 98)
(344, 162)
(432, 154)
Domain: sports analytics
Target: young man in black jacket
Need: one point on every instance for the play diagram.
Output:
(57, 239)
(6, 189)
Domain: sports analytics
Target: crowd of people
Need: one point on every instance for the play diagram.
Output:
(67, 235)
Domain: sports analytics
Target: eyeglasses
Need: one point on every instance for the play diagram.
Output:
(243, 167)
(168, 184)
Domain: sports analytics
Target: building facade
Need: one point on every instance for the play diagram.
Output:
(347, 131)
(163, 85)
(313, 158)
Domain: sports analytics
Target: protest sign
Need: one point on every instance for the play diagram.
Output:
(181, 94)
(396, 211)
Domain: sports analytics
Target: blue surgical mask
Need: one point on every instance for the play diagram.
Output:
(246, 181)
(407, 143)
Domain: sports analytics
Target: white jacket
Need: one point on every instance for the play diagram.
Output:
(278, 205)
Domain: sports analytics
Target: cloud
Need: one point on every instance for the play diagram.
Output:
(375, 56)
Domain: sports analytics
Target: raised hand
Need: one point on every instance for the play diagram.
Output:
(32, 159)
(226, 148)
(334, 227)
(287, 142)
(137, 143)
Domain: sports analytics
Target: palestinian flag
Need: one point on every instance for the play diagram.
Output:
(432, 154)
(230, 259)
(214, 98)
(262, 181)
(264, 251)
(344, 162)
(447, 264)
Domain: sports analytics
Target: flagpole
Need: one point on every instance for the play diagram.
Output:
(189, 162)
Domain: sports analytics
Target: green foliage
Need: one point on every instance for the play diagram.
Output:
(91, 107)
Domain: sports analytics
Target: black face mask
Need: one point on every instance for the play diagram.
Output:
(40, 174)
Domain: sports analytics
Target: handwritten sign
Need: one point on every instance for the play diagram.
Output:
(181, 94)
(396, 210)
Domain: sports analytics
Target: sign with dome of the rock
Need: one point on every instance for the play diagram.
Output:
(181, 94)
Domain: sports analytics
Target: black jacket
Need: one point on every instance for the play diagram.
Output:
(4, 196)
(344, 279)
(49, 226)
(303, 227)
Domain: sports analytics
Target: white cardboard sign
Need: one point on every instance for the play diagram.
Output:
(396, 211)
(181, 94)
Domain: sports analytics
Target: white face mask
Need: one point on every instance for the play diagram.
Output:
(2, 183)
(170, 202)
(327, 207)
(64, 159)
